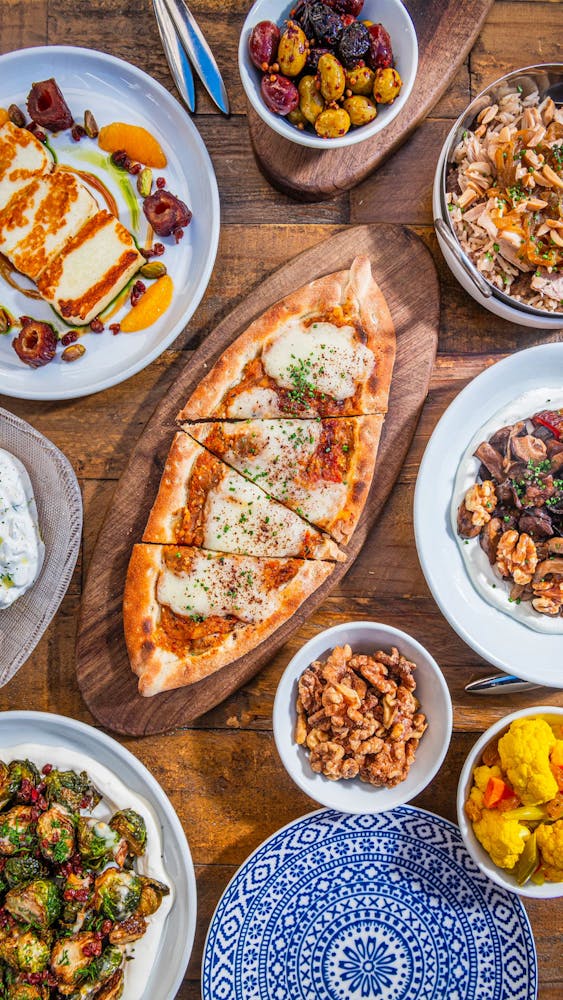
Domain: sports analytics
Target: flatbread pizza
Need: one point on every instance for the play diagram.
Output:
(325, 350)
(203, 502)
(322, 469)
(188, 612)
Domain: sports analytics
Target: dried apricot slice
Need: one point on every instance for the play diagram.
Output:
(136, 141)
(150, 306)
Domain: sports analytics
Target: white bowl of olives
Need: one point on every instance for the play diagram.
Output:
(328, 74)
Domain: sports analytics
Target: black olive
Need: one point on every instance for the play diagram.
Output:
(326, 23)
(302, 15)
(353, 44)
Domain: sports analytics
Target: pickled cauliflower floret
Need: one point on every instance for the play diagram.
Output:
(503, 839)
(550, 843)
(483, 774)
(524, 752)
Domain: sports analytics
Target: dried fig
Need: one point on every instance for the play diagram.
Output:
(36, 343)
(47, 106)
(166, 213)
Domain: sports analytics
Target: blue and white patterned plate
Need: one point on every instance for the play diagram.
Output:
(340, 907)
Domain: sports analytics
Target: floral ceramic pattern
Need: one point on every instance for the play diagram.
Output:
(389, 906)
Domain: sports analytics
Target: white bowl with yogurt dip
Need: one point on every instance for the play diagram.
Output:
(158, 963)
(22, 549)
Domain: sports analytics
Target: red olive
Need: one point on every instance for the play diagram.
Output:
(47, 106)
(280, 94)
(36, 343)
(166, 213)
(263, 44)
(380, 53)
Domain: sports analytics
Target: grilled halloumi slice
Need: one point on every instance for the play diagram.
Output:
(91, 269)
(41, 218)
(22, 157)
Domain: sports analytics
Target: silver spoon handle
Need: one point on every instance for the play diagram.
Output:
(506, 683)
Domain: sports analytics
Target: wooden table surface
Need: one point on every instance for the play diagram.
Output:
(223, 774)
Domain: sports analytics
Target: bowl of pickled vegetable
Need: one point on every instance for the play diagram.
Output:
(510, 802)
(328, 74)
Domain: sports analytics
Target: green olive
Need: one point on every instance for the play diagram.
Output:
(360, 109)
(387, 85)
(360, 80)
(332, 123)
(297, 118)
(310, 101)
(332, 77)
(292, 50)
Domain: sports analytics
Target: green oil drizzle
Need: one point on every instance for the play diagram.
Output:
(122, 178)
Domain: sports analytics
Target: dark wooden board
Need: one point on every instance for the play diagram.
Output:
(446, 31)
(405, 271)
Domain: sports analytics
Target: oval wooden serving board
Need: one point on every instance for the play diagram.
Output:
(446, 31)
(405, 271)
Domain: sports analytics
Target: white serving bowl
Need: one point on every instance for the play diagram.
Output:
(497, 302)
(165, 978)
(354, 795)
(394, 17)
(549, 890)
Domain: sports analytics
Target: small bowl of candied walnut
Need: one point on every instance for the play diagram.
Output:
(362, 717)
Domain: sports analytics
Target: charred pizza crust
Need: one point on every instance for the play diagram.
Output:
(322, 469)
(345, 298)
(268, 592)
(204, 502)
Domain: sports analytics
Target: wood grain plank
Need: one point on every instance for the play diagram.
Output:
(22, 23)
(516, 34)
(106, 682)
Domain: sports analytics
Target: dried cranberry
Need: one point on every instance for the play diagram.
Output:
(178, 235)
(166, 213)
(121, 159)
(47, 106)
(137, 292)
(106, 927)
(135, 168)
(36, 343)
(161, 182)
(77, 132)
(158, 249)
(92, 949)
(380, 55)
(96, 326)
(354, 44)
(326, 24)
(115, 328)
(69, 338)
(37, 132)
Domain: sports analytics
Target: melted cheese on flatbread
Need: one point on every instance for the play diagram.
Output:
(218, 586)
(323, 356)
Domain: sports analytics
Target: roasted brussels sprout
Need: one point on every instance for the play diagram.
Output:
(17, 830)
(25, 991)
(117, 894)
(98, 843)
(75, 791)
(55, 830)
(73, 959)
(22, 868)
(77, 895)
(12, 776)
(113, 988)
(152, 894)
(128, 930)
(131, 827)
(25, 952)
(38, 903)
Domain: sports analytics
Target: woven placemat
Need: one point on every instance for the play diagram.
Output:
(59, 508)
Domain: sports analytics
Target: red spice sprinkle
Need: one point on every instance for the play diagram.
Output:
(96, 326)
(160, 182)
(115, 329)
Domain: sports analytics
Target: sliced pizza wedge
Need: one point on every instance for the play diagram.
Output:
(325, 350)
(322, 469)
(204, 502)
(188, 612)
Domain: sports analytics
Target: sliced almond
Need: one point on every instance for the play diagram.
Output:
(552, 177)
(556, 237)
(535, 204)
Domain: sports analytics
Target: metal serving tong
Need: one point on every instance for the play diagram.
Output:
(185, 47)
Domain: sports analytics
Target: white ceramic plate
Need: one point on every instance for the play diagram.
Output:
(176, 944)
(503, 641)
(59, 508)
(115, 91)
